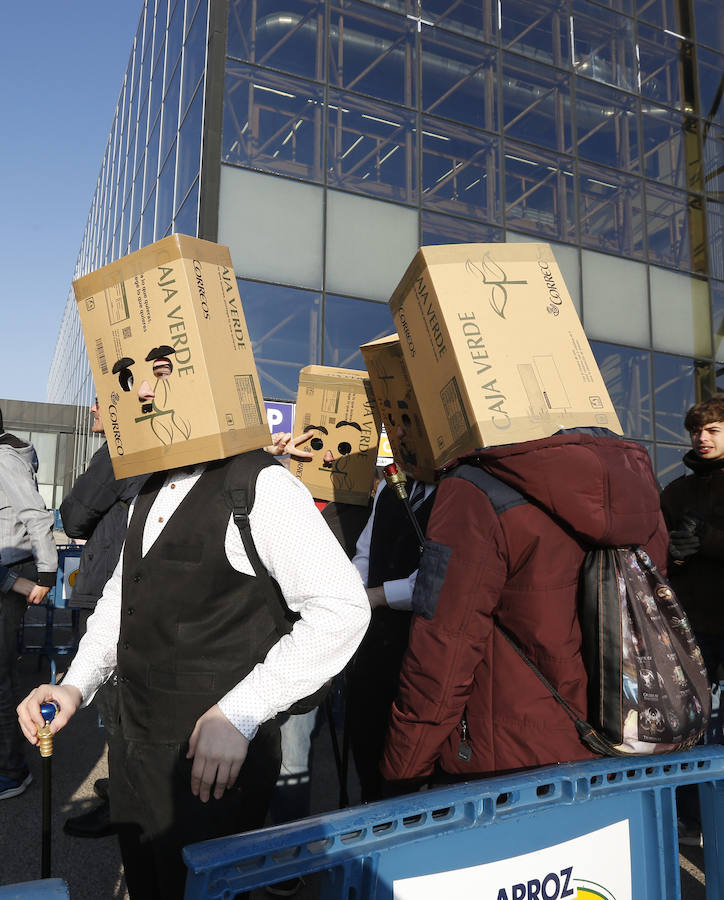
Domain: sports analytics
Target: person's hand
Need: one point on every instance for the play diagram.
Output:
(283, 442)
(23, 586)
(218, 751)
(67, 698)
(376, 596)
(684, 541)
(38, 594)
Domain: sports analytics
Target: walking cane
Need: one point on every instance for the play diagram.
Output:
(47, 711)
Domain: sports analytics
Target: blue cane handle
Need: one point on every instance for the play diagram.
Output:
(48, 711)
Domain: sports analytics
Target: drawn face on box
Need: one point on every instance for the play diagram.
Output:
(336, 450)
(146, 388)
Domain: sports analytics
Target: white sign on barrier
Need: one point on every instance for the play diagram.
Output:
(594, 866)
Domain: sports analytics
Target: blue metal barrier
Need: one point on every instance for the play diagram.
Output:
(605, 829)
(68, 559)
(46, 889)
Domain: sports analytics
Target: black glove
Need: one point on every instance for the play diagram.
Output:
(684, 542)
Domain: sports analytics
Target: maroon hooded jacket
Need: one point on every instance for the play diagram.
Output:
(522, 567)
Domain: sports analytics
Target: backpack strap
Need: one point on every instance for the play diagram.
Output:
(239, 492)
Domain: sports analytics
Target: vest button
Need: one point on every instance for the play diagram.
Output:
(123, 679)
(131, 610)
(136, 579)
(125, 645)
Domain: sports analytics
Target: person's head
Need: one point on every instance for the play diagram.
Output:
(705, 424)
(97, 423)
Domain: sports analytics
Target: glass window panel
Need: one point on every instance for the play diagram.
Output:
(160, 30)
(675, 225)
(615, 299)
(671, 147)
(459, 79)
(272, 226)
(469, 17)
(669, 462)
(279, 34)
(538, 29)
(713, 160)
(711, 72)
(194, 59)
(169, 122)
(675, 384)
(680, 313)
(164, 204)
(191, 8)
(440, 229)
(152, 159)
(142, 133)
(369, 244)
(607, 126)
(137, 201)
(149, 220)
(148, 31)
(372, 148)
(627, 374)
(273, 123)
(717, 312)
(603, 45)
(135, 241)
(45, 446)
(537, 104)
(662, 13)
(661, 57)
(460, 171)
(610, 211)
(156, 92)
(186, 220)
(715, 238)
(372, 52)
(349, 323)
(709, 23)
(284, 326)
(539, 192)
(174, 37)
(189, 152)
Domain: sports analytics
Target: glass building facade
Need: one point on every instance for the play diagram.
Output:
(323, 141)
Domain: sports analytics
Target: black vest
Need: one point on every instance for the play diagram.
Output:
(394, 549)
(192, 627)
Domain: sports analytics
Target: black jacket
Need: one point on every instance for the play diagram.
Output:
(698, 581)
(96, 510)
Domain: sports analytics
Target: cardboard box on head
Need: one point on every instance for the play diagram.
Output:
(398, 407)
(167, 321)
(494, 348)
(337, 405)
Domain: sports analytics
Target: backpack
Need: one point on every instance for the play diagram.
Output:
(648, 689)
(239, 491)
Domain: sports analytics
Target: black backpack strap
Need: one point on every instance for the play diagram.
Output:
(239, 493)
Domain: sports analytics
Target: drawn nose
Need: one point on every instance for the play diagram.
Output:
(328, 458)
(145, 393)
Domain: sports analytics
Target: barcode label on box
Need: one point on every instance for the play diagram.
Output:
(248, 400)
(101, 354)
(452, 403)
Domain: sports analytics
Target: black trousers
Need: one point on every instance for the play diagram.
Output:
(157, 815)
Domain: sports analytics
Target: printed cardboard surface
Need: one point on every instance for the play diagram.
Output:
(398, 407)
(175, 301)
(337, 405)
(495, 348)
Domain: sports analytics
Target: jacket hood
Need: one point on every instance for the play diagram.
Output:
(601, 488)
(11, 443)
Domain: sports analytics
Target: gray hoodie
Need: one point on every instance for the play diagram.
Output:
(26, 525)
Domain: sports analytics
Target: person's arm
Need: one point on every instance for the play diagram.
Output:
(462, 572)
(22, 494)
(93, 494)
(317, 581)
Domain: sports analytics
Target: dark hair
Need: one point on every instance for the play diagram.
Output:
(704, 413)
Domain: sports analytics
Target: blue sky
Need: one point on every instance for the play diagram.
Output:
(61, 69)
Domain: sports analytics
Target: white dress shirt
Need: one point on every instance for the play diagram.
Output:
(315, 576)
(398, 593)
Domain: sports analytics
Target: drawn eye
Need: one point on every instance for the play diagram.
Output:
(123, 369)
(344, 448)
(316, 443)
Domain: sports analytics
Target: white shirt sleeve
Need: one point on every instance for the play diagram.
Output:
(318, 581)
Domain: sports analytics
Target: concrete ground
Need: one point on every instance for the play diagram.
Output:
(92, 868)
